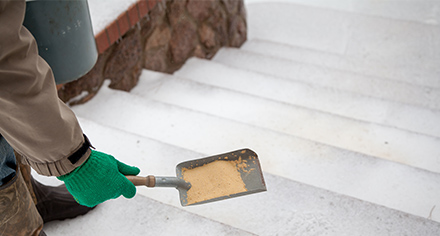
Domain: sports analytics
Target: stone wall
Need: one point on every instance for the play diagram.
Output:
(172, 32)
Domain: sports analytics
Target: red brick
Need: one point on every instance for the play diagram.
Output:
(133, 14)
(151, 4)
(113, 32)
(123, 23)
(143, 8)
(102, 42)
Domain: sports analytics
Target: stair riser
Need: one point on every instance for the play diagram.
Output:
(364, 137)
(316, 75)
(405, 50)
(288, 206)
(280, 154)
(313, 97)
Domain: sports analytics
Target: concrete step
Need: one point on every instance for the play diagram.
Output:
(365, 137)
(375, 180)
(424, 12)
(342, 62)
(288, 207)
(408, 51)
(326, 70)
(310, 95)
(140, 216)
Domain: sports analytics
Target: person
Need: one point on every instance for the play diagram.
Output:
(38, 130)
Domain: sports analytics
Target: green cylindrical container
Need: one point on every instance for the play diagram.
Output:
(63, 31)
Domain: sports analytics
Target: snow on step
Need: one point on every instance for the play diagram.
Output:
(368, 138)
(386, 183)
(104, 16)
(297, 70)
(141, 216)
(379, 71)
(288, 207)
(425, 12)
(332, 101)
(410, 50)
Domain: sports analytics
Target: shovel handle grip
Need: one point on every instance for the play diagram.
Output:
(149, 181)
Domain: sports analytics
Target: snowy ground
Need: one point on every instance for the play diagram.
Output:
(427, 12)
(340, 99)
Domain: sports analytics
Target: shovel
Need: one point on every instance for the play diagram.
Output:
(247, 164)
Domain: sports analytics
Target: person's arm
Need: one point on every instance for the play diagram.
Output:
(41, 128)
(34, 121)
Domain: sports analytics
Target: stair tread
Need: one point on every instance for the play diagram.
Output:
(362, 66)
(417, 11)
(280, 154)
(337, 102)
(411, 50)
(326, 77)
(139, 216)
(368, 138)
(289, 206)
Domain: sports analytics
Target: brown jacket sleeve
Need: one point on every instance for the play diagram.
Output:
(34, 121)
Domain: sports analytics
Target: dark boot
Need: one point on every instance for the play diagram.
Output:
(53, 203)
(18, 214)
(56, 203)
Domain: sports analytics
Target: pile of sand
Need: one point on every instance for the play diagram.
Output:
(212, 180)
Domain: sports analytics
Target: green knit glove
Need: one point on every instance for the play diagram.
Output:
(99, 179)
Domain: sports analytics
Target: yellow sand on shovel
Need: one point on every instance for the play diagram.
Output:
(212, 180)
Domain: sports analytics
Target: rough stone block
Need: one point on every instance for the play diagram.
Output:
(200, 10)
(174, 31)
(183, 41)
(124, 65)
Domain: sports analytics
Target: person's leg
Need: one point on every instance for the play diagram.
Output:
(19, 216)
(27, 176)
(53, 203)
(7, 162)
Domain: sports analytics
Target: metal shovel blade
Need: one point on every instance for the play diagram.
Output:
(250, 173)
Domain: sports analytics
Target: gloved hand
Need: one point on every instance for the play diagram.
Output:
(99, 179)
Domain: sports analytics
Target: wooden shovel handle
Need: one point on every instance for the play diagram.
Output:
(149, 181)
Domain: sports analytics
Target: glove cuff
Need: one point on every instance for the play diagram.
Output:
(91, 165)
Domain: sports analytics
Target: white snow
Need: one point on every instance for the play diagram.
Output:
(103, 12)
(426, 12)
(338, 98)
(82, 95)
